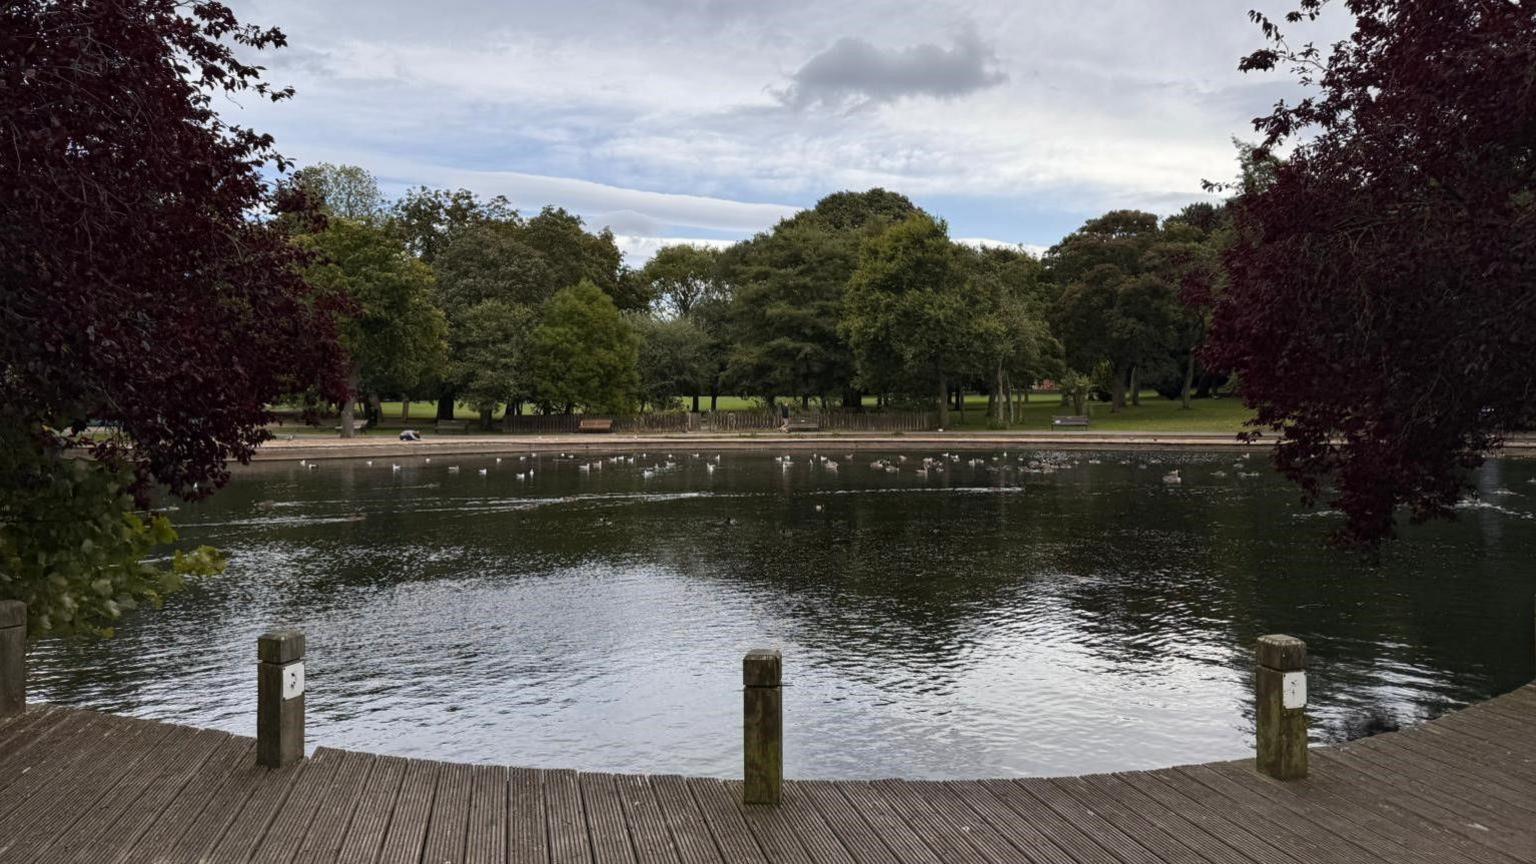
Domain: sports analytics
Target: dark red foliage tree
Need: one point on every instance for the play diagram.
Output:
(140, 283)
(1381, 305)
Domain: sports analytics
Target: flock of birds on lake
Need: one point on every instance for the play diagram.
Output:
(650, 466)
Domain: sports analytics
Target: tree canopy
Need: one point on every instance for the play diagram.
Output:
(135, 289)
(583, 353)
(1378, 307)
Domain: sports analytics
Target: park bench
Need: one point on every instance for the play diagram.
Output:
(1070, 420)
(801, 424)
(595, 426)
(357, 426)
(460, 426)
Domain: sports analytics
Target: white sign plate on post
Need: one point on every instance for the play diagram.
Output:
(1293, 690)
(293, 680)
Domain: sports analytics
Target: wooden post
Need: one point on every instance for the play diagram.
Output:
(763, 726)
(13, 657)
(1281, 705)
(280, 698)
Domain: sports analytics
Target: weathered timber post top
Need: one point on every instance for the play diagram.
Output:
(13, 657)
(280, 698)
(1280, 707)
(762, 726)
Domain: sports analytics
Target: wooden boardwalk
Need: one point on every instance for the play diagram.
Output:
(88, 787)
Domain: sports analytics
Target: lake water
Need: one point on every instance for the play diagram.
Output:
(1027, 614)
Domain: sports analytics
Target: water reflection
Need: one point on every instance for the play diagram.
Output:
(1022, 614)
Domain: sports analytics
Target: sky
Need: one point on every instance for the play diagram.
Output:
(708, 121)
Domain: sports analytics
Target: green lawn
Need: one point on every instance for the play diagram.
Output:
(1154, 415)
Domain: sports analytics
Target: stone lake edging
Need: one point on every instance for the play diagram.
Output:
(319, 447)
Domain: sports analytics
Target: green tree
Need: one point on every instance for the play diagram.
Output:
(674, 359)
(427, 221)
(572, 254)
(490, 356)
(584, 354)
(680, 278)
(908, 314)
(347, 191)
(787, 288)
(394, 332)
(1013, 341)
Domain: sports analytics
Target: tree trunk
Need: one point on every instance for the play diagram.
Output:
(405, 408)
(805, 401)
(349, 404)
(486, 416)
(943, 401)
(375, 410)
(1189, 380)
(445, 406)
(1117, 390)
(714, 400)
(695, 403)
(1136, 385)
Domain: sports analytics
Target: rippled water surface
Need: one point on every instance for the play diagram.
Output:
(987, 620)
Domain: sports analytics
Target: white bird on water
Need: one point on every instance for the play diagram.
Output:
(429, 460)
(370, 463)
(1172, 477)
(453, 469)
(484, 471)
(395, 467)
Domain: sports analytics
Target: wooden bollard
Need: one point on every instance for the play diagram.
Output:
(763, 726)
(13, 657)
(279, 698)
(1281, 705)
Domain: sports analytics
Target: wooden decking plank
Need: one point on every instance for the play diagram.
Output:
(647, 825)
(406, 838)
(1128, 846)
(486, 840)
(1493, 727)
(856, 835)
(1078, 843)
(49, 752)
(1301, 840)
(570, 840)
(724, 817)
(375, 807)
(328, 830)
(777, 834)
(1318, 819)
(605, 819)
(1028, 840)
(1446, 791)
(1177, 844)
(1363, 812)
(330, 776)
(949, 841)
(979, 831)
(892, 827)
(115, 821)
(182, 809)
(1513, 761)
(28, 831)
(1419, 798)
(1409, 812)
(528, 836)
(1179, 810)
(216, 813)
(249, 826)
(448, 826)
(1442, 759)
(695, 845)
(29, 727)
